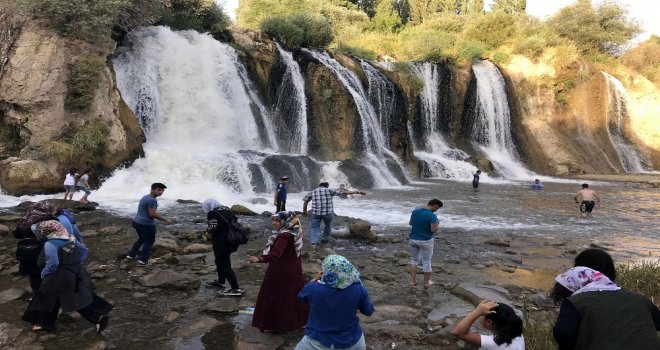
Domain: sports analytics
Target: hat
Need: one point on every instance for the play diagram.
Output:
(284, 178)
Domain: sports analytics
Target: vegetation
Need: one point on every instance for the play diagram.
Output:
(299, 29)
(83, 144)
(84, 78)
(645, 59)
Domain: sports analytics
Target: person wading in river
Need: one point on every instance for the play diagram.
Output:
(587, 196)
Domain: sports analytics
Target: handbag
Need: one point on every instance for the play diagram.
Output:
(28, 249)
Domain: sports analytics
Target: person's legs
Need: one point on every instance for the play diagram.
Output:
(84, 197)
(426, 253)
(148, 238)
(327, 229)
(359, 345)
(138, 243)
(583, 209)
(316, 228)
(414, 260)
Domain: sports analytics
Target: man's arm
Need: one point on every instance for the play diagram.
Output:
(576, 197)
(597, 198)
(305, 207)
(433, 227)
(154, 214)
(275, 197)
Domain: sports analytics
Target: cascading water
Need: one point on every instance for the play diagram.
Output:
(182, 87)
(491, 128)
(375, 145)
(381, 96)
(441, 160)
(290, 106)
(631, 158)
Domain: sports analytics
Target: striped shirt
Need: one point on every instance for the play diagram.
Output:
(321, 200)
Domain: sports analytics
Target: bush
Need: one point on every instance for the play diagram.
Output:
(299, 29)
(202, 16)
(643, 277)
(492, 28)
(84, 79)
(356, 51)
(90, 139)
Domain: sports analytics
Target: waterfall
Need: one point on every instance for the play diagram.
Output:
(491, 127)
(631, 158)
(381, 96)
(429, 146)
(290, 106)
(373, 139)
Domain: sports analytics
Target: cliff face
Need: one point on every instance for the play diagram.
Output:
(33, 121)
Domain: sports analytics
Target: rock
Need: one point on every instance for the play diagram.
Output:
(73, 205)
(97, 345)
(4, 230)
(191, 235)
(478, 266)
(498, 242)
(90, 233)
(598, 246)
(241, 210)
(11, 294)
(403, 254)
(165, 244)
(509, 269)
(172, 317)
(187, 201)
(170, 279)
(258, 200)
(361, 229)
(223, 305)
(10, 218)
(186, 259)
(197, 248)
(201, 326)
(110, 230)
(251, 339)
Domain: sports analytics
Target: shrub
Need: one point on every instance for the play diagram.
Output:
(643, 277)
(492, 28)
(299, 29)
(84, 79)
(199, 15)
(356, 51)
(90, 139)
(403, 68)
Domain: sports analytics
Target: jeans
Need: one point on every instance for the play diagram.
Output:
(223, 267)
(308, 343)
(146, 238)
(316, 227)
(421, 251)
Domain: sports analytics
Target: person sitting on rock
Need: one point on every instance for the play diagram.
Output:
(500, 319)
(344, 192)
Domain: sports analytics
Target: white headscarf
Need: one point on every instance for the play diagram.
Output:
(580, 279)
(210, 204)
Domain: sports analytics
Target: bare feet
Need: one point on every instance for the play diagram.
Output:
(428, 284)
(413, 284)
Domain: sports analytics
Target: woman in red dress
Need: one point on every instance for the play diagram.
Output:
(278, 308)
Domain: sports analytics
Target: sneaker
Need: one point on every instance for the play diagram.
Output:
(128, 258)
(325, 241)
(214, 284)
(143, 263)
(102, 323)
(232, 293)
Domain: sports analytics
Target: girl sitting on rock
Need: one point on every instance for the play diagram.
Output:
(500, 319)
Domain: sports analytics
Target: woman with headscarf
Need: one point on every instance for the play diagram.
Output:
(65, 283)
(278, 309)
(596, 313)
(219, 217)
(333, 298)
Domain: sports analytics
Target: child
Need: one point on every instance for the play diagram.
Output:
(500, 319)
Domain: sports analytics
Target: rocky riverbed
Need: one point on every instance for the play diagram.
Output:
(165, 306)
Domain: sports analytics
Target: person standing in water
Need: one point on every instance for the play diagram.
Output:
(475, 180)
(587, 196)
(280, 194)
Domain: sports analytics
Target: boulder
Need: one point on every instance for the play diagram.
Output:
(73, 205)
(200, 327)
(223, 305)
(197, 248)
(4, 230)
(10, 218)
(241, 210)
(251, 339)
(361, 229)
(11, 294)
(498, 242)
(110, 230)
(170, 279)
(165, 244)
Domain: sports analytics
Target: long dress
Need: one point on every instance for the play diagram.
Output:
(278, 308)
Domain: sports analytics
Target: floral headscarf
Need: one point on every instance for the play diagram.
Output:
(52, 229)
(580, 279)
(290, 224)
(41, 211)
(338, 272)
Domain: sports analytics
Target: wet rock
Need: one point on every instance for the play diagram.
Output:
(251, 339)
(498, 242)
(191, 235)
(241, 210)
(361, 229)
(199, 327)
(187, 201)
(11, 294)
(139, 295)
(197, 248)
(73, 205)
(223, 305)
(97, 345)
(598, 246)
(170, 279)
(4, 230)
(186, 259)
(402, 254)
(165, 244)
(509, 269)
(10, 218)
(110, 230)
(478, 266)
(172, 317)
(258, 200)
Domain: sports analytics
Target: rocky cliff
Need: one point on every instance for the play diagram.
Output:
(40, 138)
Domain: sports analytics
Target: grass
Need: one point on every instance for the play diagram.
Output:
(84, 79)
(643, 277)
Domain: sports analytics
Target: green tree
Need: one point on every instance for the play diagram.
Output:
(492, 28)
(299, 29)
(421, 10)
(386, 18)
(605, 28)
(509, 6)
(403, 9)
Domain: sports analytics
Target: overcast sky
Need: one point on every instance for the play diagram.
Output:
(645, 11)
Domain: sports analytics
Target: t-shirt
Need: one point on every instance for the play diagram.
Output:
(488, 343)
(421, 220)
(281, 192)
(82, 180)
(70, 180)
(142, 217)
(476, 178)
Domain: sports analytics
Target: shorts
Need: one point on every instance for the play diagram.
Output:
(84, 189)
(421, 252)
(475, 184)
(70, 188)
(587, 206)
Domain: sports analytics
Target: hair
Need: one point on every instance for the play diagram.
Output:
(157, 185)
(585, 185)
(508, 325)
(536, 180)
(435, 202)
(324, 184)
(478, 171)
(73, 170)
(596, 259)
(87, 171)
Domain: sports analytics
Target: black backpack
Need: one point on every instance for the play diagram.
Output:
(236, 234)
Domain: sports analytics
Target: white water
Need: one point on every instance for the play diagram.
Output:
(292, 90)
(493, 123)
(381, 95)
(617, 115)
(372, 136)
(443, 161)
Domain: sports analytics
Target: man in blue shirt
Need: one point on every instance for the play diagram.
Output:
(144, 225)
(280, 195)
(424, 225)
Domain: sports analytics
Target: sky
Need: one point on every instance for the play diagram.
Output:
(645, 11)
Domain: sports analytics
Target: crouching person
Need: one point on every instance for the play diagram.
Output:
(65, 282)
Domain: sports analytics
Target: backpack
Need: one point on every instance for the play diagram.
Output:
(236, 234)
